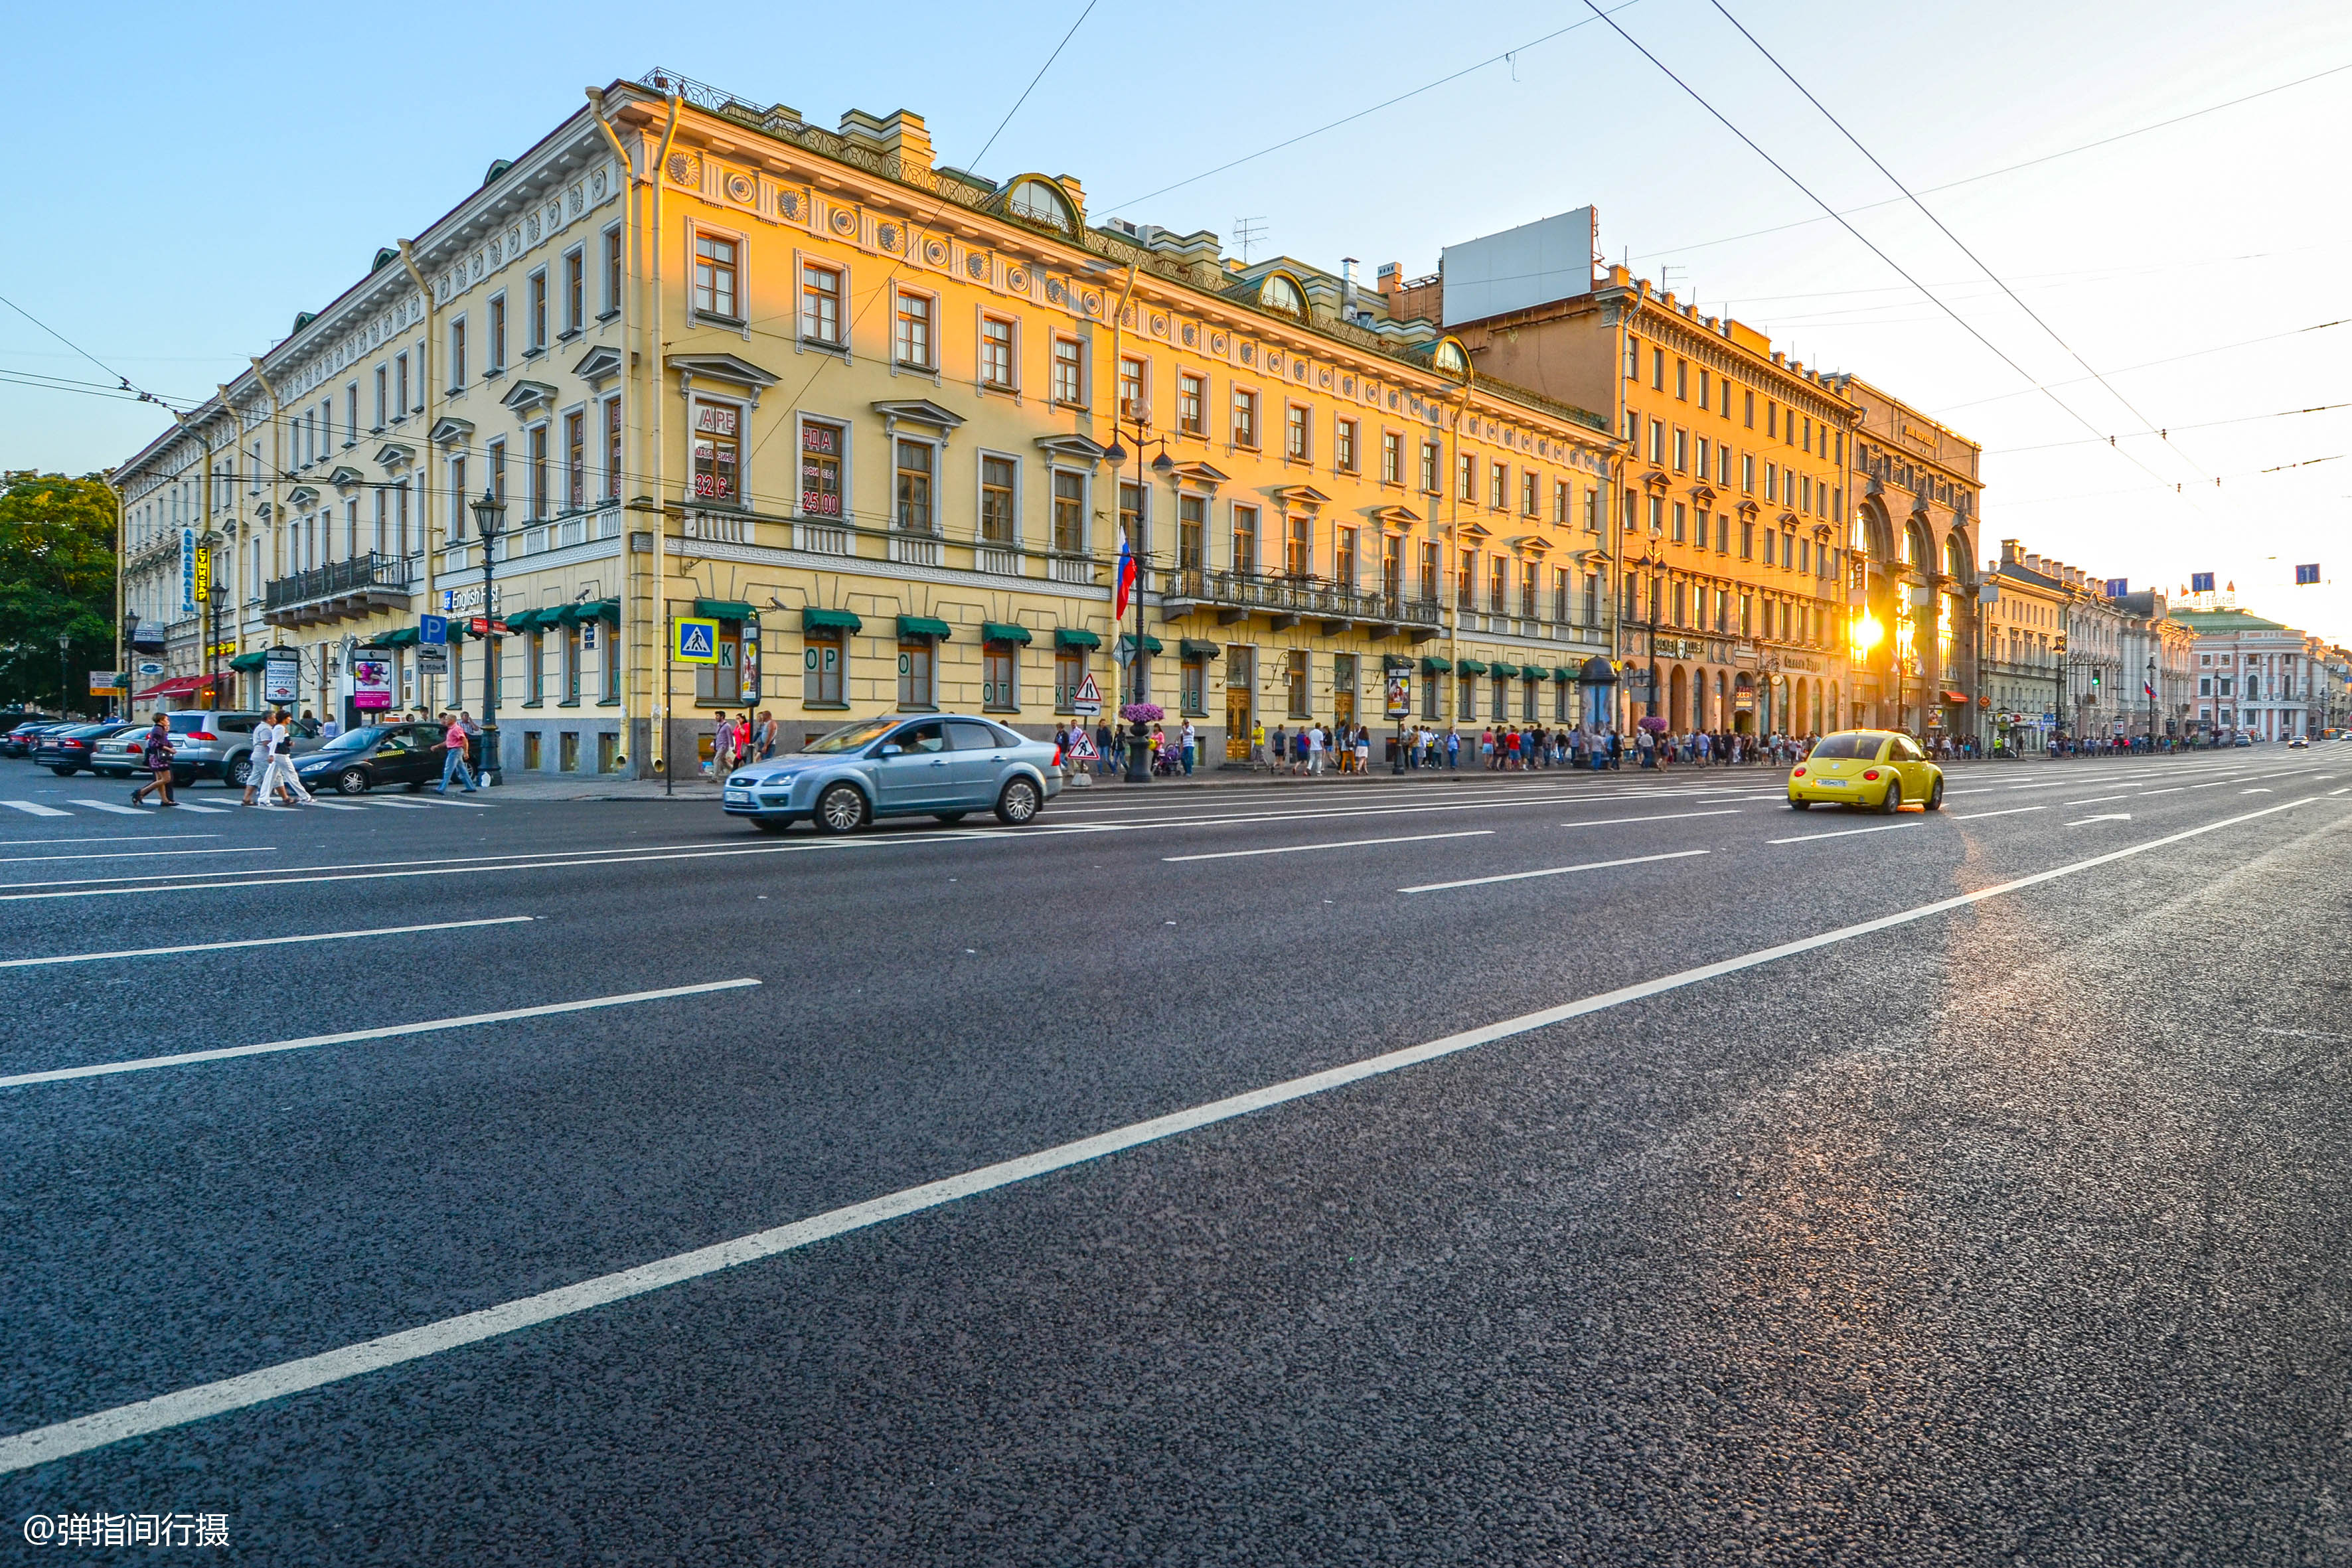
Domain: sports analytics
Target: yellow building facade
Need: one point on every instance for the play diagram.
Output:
(888, 425)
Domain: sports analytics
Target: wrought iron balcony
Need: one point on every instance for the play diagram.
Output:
(1287, 600)
(337, 591)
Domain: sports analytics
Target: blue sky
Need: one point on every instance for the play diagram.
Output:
(197, 181)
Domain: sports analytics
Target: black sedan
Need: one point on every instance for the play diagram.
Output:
(66, 752)
(20, 741)
(374, 755)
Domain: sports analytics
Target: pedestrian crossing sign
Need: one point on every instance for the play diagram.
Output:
(695, 641)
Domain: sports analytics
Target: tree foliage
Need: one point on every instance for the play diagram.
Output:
(56, 577)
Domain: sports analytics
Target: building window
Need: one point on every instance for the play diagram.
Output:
(457, 496)
(1497, 585)
(611, 448)
(1296, 683)
(1192, 400)
(457, 354)
(714, 276)
(1245, 419)
(1343, 558)
(575, 460)
(1245, 540)
(996, 353)
(911, 336)
(1299, 556)
(612, 272)
(1069, 512)
(718, 451)
(996, 517)
(400, 385)
(1131, 403)
(1527, 589)
(1632, 357)
(820, 449)
(821, 306)
(1343, 445)
(1748, 473)
(537, 475)
(1466, 477)
(999, 662)
(379, 397)
(1069, 675)
(1429, 467)
(821, 667)
(1392, 457)
(1069, 371)
(1560, 502)
(538, 311)
(915, 666)
(534, 653)
(1681, 522)
(1467, 699)
(1192, 685)
(498, 356)
(1295, 434)
(1747, 409)
(913, 467)
(1657, 442)
(1658, 369)
(1529, 486)
(571, 650)
(1498, 483)
(1192, 534)
(1681, 379)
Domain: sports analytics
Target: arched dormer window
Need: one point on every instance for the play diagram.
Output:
(1280, 291)
(1036, 199)
(1451, 358)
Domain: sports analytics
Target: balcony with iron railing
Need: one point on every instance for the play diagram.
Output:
(340, 590)
(1288, 600)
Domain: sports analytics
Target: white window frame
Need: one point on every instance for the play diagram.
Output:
(931, 297)
(1086, 504)
(801, 419)
(742, 407)
(615, 279)
(980, 318)
(1020, 481)
(802, 260)
(739, 324)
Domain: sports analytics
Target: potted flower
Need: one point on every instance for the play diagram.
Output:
(1140, 717)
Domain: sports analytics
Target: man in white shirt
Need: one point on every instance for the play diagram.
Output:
(279, 774)
(1314, 747)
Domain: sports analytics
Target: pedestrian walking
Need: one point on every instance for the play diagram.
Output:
(282, 776)
(770, 734)
(453, 741)
(1363, 750)
(1258, 741)
(1453, 747)
(155, 756)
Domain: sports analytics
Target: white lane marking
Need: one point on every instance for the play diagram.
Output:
(402, 804)
(1343, 844)
(2340, 791)
(468, 805)
(1662, 816)
(2103, 816)
(260, 942)
(108, 805)
(179, 1408)
(30, 809)
(136, 854)
(336, 806)
(2096, 800)
(2175, 789)
(2257, 791)
(201, 810)
(107, 838)
(387, 1031)
(1550, 871)
(2012, 811)
(1850, 832)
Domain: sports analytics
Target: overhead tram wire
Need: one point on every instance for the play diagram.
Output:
(1945, 229)
(2151, 363)
(1964, 324)
(2207, 425)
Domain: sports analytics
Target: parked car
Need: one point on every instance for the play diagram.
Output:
(362, 758)
(20, 740)
(947, 766)
(66, 752)
(205, 745)
(11, 717)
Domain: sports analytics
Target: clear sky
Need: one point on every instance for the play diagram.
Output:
(191, 177)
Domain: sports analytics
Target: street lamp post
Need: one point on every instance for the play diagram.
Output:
(1139, 751)
(1650, 560)
(2151, 705)
(65, 680)
(124, 656)
(489, 519)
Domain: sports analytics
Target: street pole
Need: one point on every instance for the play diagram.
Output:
(489, 519)
(65, 679)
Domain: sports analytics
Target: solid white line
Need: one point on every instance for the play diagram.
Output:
(260, 942)
(95, 1430)
(111, 806)
(468, 805)
(1343, 844)
(29, 809)
(2012, 811)
(387, 1031)
(1549, 871)
(106, 837)
(1662, 817)
(136, 854)
(1849, 832)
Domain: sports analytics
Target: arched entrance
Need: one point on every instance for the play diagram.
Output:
(1678, 699)
(1743, 703)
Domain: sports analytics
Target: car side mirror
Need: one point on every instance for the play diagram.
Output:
(890, 750)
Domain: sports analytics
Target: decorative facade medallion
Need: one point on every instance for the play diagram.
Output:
(596, 184)
(1273, 361)
(1249, 353)
(1217, 342)
(1016, 278)
(788, 204)
(1298, 370)
(738, 187)
(1094, 303)
(1159, 326)
(976, 265)
(844, 221)
(1056, 292)
(1191, 335)
(887, 235)
(684, 170)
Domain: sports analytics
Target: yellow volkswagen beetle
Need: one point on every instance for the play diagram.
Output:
(1876, 769)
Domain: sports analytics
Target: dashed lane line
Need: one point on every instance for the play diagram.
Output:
(2012, 811)
(198, 1401)
(1849, 832)
(1550, 871)
(1343, 844)
(1659, 816)
(262, 942)
(351, 1037)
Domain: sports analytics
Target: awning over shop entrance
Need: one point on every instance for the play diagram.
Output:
(178, 686)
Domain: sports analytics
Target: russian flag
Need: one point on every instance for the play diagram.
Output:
(1126, 581)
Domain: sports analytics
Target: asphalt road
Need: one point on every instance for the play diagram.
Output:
(1541, 1169)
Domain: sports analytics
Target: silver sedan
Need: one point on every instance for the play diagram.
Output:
(946, 766)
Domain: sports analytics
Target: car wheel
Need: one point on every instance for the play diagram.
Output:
(1018, 803)
(842, 809)
(1892, 801)
(1934, 801)
(416, 785)
(239, 772)
(351, 780)
(63, 770)
(1796, 804)
(770, 824)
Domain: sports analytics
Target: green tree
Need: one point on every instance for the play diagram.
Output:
(57, 578)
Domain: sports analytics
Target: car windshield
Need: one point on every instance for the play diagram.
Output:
(354, 740)
(1849, 748)
(850, 737)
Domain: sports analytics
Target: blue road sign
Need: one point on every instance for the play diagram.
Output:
(433, 629)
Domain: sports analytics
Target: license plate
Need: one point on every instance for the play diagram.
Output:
(1831, 784)
(740, 794)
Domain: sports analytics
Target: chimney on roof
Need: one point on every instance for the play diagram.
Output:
(1348, 289)
(905, 138)
(2012, 552)
(1389, 274)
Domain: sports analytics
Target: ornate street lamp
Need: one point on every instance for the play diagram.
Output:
(1139, 750)
(490, 520)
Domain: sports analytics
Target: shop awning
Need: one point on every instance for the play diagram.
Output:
(1150, 644)
(1536, 672)
(1193, 647)
(1500, 667)
(595, 610)
(1434, 665)
(1955, 697)
(178, 686)
(1562, 672)
(1471, 667)
(401, 636)
(816, 620)
(924, 626)
(1002, 631)
(253, 661)
(720, 610)
(530, 620)
(1073, 636)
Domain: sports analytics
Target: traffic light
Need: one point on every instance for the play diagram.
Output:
(2094, 682)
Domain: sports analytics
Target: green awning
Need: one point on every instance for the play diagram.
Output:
(816, 620)
(1150, 644)
(403, 637)
(529, 620)
(720, 610)
(1071, 637)
(1499, 666)
(1536, 672)
(1471, 667)
(1562, 672)
(598, 610)
(1193, 647)
(999, 631)
(254, 660)
(924, 626)
(1434, 665)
